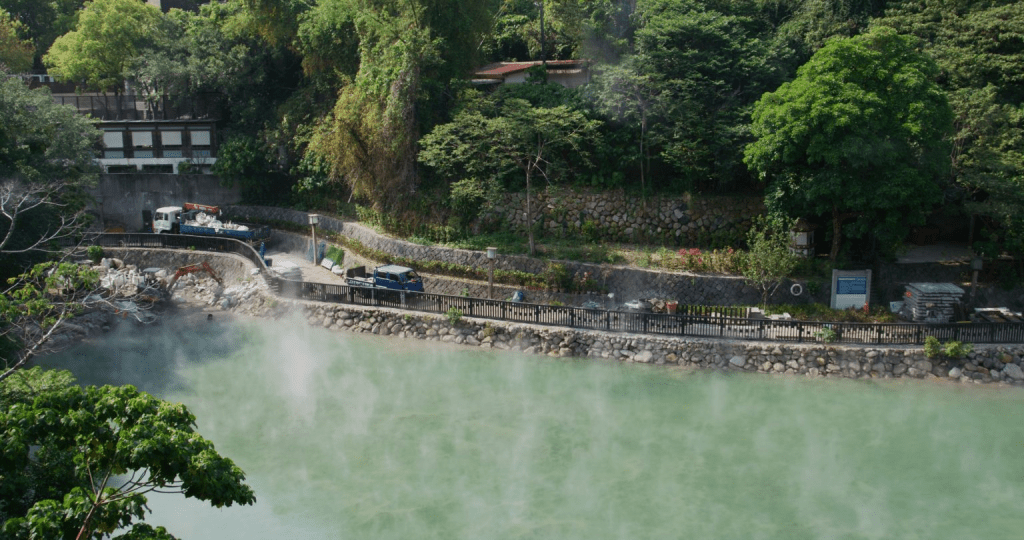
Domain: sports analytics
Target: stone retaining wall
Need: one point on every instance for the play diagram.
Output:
(985, 365)
(614, 216)
(625, 282)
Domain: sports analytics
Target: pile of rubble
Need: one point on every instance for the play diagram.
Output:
(200, 289)
(125, 280)
(207, 220)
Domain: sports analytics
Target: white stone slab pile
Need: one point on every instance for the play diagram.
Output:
(931, 302)
(207, 220)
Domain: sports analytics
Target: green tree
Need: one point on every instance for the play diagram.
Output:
(35, 304)
(859, 135)
(709, 65)
(46, 159)
(191, 54)
(522, 136)
(409, 54)
(988, 159)
(45, 20)
(78, 462)
(769, 260)
(15, 52)
(632, 94)
(108, 37)
(979, 48)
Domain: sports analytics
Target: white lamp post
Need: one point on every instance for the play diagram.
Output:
(313, 220)
(492, 252)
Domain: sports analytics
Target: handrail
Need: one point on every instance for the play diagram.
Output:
(693, 323)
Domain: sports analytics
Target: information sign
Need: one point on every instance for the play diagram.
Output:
(850, 288)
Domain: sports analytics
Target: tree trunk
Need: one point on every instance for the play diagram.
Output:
(529, 214)
(837, 232)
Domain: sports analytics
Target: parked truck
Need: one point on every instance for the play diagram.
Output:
(389, 276)
(204, 220)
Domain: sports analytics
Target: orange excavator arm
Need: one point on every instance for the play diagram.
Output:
(193, 268)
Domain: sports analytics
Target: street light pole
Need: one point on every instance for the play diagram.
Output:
(492, 252)
(313, 220)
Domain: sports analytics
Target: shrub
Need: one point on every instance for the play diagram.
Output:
(827, 334)
(95, 254)
(769, 260)
(591, 230)
(953, 349)
(454, 315)
(557, 276)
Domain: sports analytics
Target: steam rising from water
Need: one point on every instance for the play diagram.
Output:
(361, 437)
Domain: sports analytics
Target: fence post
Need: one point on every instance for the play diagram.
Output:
(607, 320)
(800, 332)
(644, 320)
(917, 335)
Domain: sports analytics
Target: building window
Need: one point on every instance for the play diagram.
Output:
(170, 138)
(113, 139)
(200, 138)
(142, 139)
(143, 153)
(113, 154)
(173, 154)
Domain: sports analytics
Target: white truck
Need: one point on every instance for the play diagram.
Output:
(204, 220)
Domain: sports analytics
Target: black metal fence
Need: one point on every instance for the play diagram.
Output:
(691, 321)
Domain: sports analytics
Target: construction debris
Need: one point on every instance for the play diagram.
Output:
(208, 220)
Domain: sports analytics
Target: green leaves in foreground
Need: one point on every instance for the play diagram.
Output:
(78, 462)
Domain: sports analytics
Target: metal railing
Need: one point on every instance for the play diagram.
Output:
(690, 321)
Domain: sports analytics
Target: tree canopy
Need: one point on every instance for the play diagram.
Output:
(859, 135)
(78, 462)
(108, 36)
(15, 51)
(520, 136)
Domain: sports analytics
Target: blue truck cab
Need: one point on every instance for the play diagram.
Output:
(389, 276)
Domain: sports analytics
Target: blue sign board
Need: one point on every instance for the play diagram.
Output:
(852, 285)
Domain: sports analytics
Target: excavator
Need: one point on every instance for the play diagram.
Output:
(191, 269)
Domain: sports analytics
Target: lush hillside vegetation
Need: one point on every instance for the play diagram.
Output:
(324, 100)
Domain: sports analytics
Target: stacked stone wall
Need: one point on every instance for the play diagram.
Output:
(986, 364)
(613, 216)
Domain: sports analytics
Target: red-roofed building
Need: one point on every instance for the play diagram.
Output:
(568, 73)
